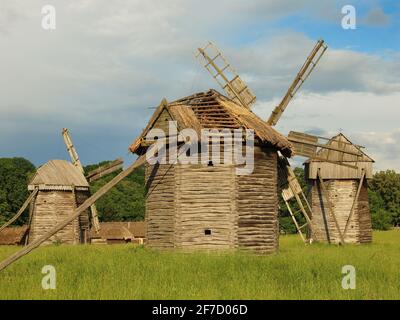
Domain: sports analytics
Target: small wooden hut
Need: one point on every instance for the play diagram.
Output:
(339, 194)
(209, 206)
(61, 188)
(119, 232)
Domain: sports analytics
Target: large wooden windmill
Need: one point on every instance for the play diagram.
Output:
(305, 145)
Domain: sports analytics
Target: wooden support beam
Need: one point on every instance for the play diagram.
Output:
(101, 192)
(303, 210)
(31, 212)
(325, 193)
(95, 218)
(21, 210)
(354, 202)
(77, 163)
(104, 170)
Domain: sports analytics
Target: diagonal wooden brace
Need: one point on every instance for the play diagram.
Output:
(332, 213)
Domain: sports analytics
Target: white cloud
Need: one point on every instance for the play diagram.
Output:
(368, 119)
(107, 62)
(274, 61)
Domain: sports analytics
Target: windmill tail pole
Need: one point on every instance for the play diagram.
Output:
(21, 210)
(19, 254)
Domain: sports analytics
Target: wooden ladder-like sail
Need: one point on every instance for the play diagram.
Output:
(291, 191)
(301, 77)
(226, 76)
(77, 163)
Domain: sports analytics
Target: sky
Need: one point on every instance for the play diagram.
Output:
(107, 64)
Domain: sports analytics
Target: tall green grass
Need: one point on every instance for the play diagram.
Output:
(129, 272)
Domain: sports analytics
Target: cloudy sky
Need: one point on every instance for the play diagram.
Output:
(109, 62)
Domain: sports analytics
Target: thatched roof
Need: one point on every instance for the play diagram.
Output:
(58, 175)
(213, 110)
(120, 230)
(342, 142)
(13, 235)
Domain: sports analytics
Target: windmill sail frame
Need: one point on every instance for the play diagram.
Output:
(222, 71)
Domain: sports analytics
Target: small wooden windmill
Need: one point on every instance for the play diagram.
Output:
(339, 193)
(305, 145)
(76, 213)
(92, 175)
(57, 188)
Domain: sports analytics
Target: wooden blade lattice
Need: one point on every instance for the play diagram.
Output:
(308, 66)
(226, 76)
(77, 163)
(317, 148)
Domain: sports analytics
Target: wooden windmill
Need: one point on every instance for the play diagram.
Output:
(76, 213)
(339, 193)
(305, 145)
(92, 175)
(57, 188)
(249, 224)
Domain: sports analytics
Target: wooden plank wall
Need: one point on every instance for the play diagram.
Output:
(240, 211)
(205, 198)
(341, 194)
(334, 171)
(52, 207)
(364, 215)
(160, 205)
(257, 204)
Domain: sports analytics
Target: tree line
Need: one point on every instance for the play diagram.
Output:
(126, 201)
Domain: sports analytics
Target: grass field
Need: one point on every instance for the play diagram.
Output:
(128, 272)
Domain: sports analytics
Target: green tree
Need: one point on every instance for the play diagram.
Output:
(124, 202)
(14, 176)
(384, 198)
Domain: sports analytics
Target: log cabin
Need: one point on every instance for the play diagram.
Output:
(119, 232)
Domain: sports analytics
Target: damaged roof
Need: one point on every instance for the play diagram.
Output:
(212, 110)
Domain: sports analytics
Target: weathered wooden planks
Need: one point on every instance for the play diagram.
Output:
(160, 205)
(52, 207)
(257, 204)
(341, 194)
(210, 207)
(205, 207)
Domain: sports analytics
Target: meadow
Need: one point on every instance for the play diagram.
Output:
(135, 272)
